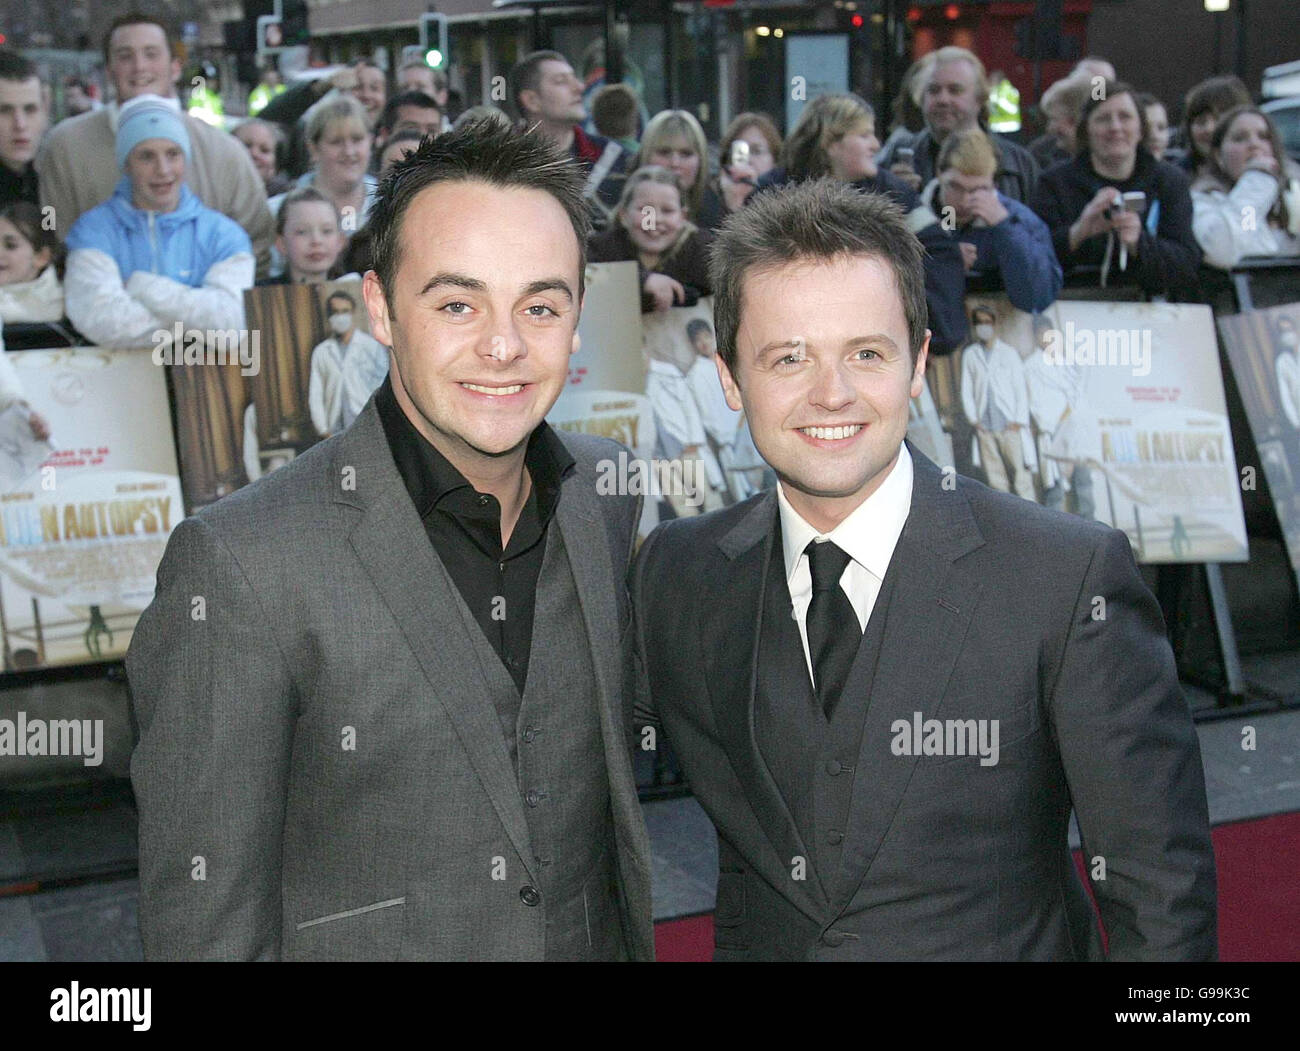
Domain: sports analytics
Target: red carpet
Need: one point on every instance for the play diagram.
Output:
(1258, 864)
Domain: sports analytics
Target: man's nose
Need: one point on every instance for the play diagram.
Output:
(504, 343)
(831, 387)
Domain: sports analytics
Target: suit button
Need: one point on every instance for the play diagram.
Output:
(833, 939)
(833, 767)
(529, 895)
(530, 735)
(532, 797)
(834, 837)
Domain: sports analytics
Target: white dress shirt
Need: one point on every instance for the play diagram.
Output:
(868, 536)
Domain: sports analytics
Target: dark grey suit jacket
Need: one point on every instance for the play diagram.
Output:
(993, 616)
(317, 741)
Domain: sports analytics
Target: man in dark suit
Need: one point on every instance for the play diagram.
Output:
(380, 691)
(887, 684)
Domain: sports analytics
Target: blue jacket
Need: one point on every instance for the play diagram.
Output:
(181, 245)
(1018, 250)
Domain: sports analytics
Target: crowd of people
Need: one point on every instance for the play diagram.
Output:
(130, 216)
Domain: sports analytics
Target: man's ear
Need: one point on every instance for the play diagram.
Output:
(918, 371)
(729, 386)
(377, 306)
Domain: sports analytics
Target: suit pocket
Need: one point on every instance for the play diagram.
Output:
(334, 917)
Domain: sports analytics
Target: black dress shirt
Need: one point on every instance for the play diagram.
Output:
(499, 586)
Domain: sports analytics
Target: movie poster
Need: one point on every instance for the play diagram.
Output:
(89, 494)
(306, 367)
(1264, 350)
(1110, 411)
(650, 382)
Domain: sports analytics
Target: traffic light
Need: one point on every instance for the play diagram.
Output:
(293, 19)
(433, 48)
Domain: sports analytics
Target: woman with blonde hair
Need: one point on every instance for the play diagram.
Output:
(835, 135)
(674, 140)
(339, 142)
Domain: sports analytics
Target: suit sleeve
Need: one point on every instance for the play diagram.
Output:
(1133, 764)
(645, 712)
(215, 706)
(632, 691)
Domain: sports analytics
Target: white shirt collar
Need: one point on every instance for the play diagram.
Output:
(868, 535)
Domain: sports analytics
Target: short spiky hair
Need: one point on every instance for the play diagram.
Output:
(138, 18)
(477, 151)
(16, 66)
(816, 221)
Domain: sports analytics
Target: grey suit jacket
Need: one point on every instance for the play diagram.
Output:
(1001, 610)
(320, 772)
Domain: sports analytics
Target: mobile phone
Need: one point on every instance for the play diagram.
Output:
(1135, 201)
(739, 153)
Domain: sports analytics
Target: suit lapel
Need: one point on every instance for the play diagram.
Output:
(596, 578)
(735, 595)
(927, 620)
(390, 542)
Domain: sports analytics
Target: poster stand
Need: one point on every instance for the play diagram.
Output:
(1236, 695)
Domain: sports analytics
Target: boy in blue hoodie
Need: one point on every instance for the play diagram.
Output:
(998, 235)
(152, 255)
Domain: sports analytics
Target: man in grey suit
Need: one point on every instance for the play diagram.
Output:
(380, 692)
(888, 685)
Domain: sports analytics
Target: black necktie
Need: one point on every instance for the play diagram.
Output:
(834, 633)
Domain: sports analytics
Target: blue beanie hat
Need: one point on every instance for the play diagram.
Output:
(149, 117)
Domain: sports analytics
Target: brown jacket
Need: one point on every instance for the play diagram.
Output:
(78, 171)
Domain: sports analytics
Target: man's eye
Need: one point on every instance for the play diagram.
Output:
(866, 350)
(543, 306)
(456, 313)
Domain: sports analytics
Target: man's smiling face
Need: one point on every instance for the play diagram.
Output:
(825, 385)
(482, 317)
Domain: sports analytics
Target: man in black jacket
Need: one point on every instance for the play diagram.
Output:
(955, 98)
(888, 684)
(23, 119)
